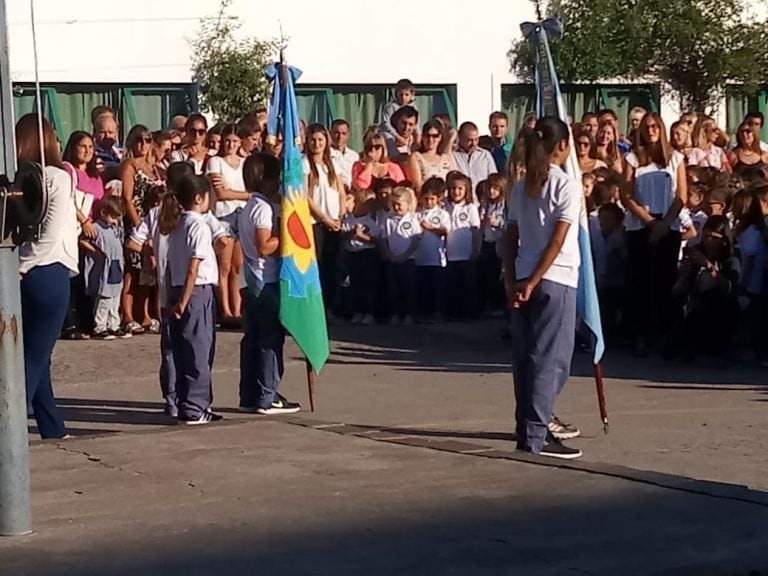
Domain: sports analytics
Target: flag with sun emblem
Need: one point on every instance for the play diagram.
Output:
(301, 298)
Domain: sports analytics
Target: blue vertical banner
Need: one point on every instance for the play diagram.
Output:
(549, 102)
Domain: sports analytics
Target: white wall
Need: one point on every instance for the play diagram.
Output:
(332, 41)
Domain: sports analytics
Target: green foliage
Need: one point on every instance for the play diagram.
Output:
(230, 70)
(694, 47)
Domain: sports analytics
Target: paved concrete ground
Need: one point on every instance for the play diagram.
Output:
(426, 483)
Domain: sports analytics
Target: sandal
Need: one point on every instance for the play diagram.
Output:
(134, 328)
(154, 327)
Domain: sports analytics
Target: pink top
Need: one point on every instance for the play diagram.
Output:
(362, 181)
(87, 184)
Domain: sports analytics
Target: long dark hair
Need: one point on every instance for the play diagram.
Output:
(183, 197)
(542, 142)
(313, 129)
(70, 152)
(28, 142)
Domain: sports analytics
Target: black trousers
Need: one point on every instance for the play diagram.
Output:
(651, 308)
(431, 290)
(462, 289)
(491, 287)
(364, 277)
(328, 248)
(402, 288)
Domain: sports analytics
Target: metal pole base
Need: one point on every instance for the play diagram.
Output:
(15, 513)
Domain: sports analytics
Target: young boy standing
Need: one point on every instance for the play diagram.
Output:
(261, 349)
(104, 266)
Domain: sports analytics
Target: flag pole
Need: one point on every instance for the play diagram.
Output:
(283, 79)
(601, 395)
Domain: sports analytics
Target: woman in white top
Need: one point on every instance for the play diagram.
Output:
(706, 152)
(226, 172)
(195, 151)
(326, 199)
(46, 264)
(654, 193)
(429, 162)
(541, 263)
(607, 148)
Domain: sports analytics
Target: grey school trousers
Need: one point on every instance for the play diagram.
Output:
(543, 333)
(192, 342)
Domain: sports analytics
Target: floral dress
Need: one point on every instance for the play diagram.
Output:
(142, 184)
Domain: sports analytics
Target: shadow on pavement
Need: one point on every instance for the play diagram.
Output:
(647, 533)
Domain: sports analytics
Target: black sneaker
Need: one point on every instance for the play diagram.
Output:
(554, 448)
(279, 406)
(171, 411)
(105, 336)
(206, 417)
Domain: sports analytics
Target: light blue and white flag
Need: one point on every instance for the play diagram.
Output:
(549, 102)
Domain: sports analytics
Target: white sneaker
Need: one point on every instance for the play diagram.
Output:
(357, 319)
(368, 320)
(562, 430)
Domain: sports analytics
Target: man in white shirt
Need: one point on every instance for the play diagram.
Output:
(470, 159)
(405, 121)
(342, 156)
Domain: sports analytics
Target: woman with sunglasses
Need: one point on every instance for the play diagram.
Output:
(428, 162)
(707, 153)
(747, 155)
(375, 164)
(138, 174)
(585, 153)
(655, 191)
(195, 150)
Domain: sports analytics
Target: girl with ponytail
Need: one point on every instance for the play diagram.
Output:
(541, 262)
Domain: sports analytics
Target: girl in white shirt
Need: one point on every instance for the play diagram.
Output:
(493, 209)
(431, 260)
(326, 199)
(193, 277)
(541, 263)
(226, 172)
(400, 239)
(654, 193)
(463, 247)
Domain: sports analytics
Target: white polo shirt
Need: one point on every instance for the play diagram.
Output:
(345, 160)
(431, 250)
(149, 229)
(192, 239)
(465, 219)
(399, 231)
(258, 214)
(559, 201)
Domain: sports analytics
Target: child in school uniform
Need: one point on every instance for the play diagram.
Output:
(104, 267)
(463, 246)
(193, 279)
(431, 258)
(493, 210)
(360, 232)
(261, 348)
(146, 238)
(383, 209)
(400, 239)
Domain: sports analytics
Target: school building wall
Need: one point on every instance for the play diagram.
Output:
(454, 48)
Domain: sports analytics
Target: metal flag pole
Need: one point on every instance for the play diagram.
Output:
(282, 78)
(550, 103)
(15, 510)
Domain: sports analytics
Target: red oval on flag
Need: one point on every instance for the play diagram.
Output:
(297, 232)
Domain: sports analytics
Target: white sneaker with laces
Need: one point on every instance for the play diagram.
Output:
(561, 430)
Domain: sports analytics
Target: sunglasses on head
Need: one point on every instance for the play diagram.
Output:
(197, 131)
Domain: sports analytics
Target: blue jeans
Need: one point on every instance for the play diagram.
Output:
(167, 367)
(44, 304)
(261, 348)
(543, 332)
